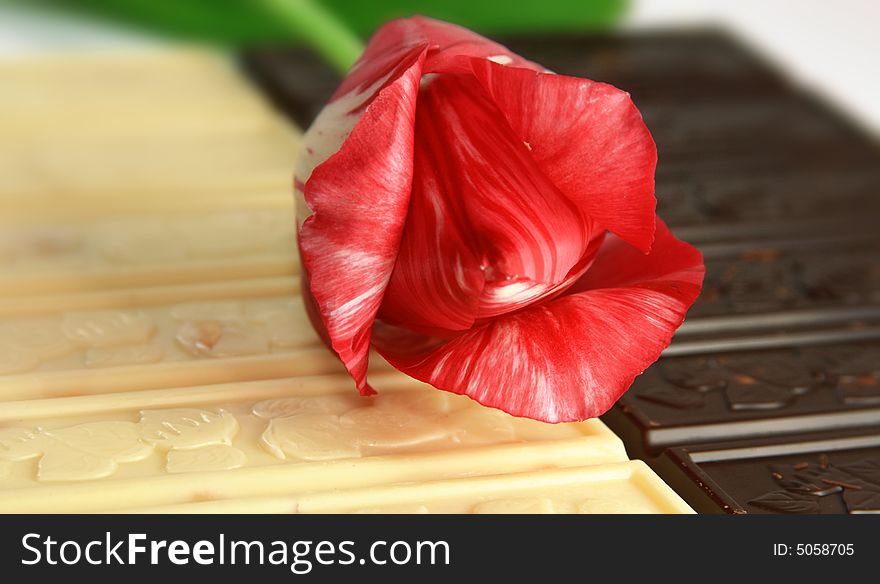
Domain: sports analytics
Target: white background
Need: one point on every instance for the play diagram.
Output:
(830, 46)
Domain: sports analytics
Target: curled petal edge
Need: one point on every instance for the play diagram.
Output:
(571, 358)
(359, 199)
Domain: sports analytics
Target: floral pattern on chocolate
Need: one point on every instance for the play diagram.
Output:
(335, 427)
(75, 453)
(767, 280)
(103, 338)
(758, 282)
(240, 433)
(748, 383)
(803, 483)
(191, 440)
(857, 377)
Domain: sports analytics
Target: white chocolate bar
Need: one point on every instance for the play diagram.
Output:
(130, 340)
(169, 130)
(78, 172)
(153, 250)
(266, 439)
(619, 487)
(155, 354)
(92, 68)
(164, 94)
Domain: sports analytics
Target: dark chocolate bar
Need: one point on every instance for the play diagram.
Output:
(808, 476)
(769, 279)
(673, 67)
(758, 207)
(297, 81)
(739, 396)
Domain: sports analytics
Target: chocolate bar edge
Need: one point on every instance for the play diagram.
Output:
(680, 466)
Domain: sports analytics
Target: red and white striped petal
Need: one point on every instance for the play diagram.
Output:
(487, 232)
(588, 138)
(354, 170)
(359, 197)
(572, 357)
(448, 49)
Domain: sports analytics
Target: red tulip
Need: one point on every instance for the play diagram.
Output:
(488, 226)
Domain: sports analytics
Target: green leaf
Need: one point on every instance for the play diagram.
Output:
(332, 27)
(240, 22)
(486, 16)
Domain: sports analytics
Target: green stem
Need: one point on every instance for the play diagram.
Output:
(320, 29)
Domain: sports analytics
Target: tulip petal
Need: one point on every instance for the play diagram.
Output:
(353, 176)
(570, 358)
(450, 47)
(392, 50)
(338, 118)
(397, 43)
(437, 280)
(359, 198)
(588, 138)
(487, 232)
